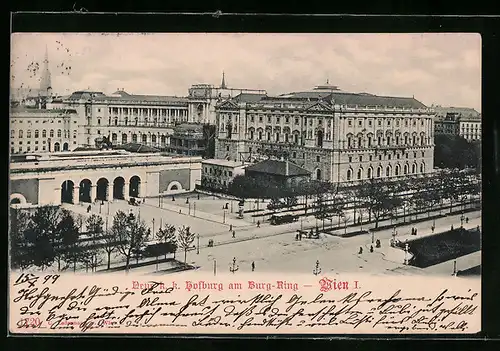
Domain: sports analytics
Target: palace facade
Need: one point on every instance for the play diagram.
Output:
(336, 135)
(462, 121)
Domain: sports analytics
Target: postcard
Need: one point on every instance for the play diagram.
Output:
(245, 183)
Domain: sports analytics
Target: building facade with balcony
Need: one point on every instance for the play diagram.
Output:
(335, 135)
(41, 130)
(462, 121)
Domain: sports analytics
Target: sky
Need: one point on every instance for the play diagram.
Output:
(438, 68)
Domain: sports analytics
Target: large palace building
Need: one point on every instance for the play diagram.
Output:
(336, 135)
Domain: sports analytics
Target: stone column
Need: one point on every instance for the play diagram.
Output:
(76, 195)
(126, 191)
(93, 193)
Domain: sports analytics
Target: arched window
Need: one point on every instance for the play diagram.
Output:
(318, 174)
(296, 138)
(51, 133)
(379, 171)
(144, 138)
(360, 173)
(37, 133)
(12, 133)
(397, 139)
(153, 139)
(370, 173)
(388, 171)
(163, 139)
(349, 141)
(406, 169)
(379, 140)
(406, 139)
(44, 133)
(126, 120)
(268, 136)
(319, 135)
(116, 121)
(59, 133)
(396, 171)
(286, 138)
(369, 141)
(124, 138)
(251, 134)
(260, 135)
(28, 134)
(278, 137)
(414, 140)
(414, 168)
(20, 133)
(349, 174)
(422, 168)
(360, 141)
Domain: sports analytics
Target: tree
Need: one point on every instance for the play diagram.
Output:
(131, 233)
(19, 246)
(41, 235)
(92, 250)
(67, 247)
(185, 239)
(166, 236)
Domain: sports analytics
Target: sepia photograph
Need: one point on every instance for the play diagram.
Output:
(319, 155)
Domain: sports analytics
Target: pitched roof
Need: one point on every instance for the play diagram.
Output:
(359, 99)
(246, 97)
(136, 147)
(275, 167)
(462, 111)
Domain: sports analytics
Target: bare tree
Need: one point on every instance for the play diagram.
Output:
(185, 240)
(92, 247)
(166, 236)
(19, 247)
(131, 233)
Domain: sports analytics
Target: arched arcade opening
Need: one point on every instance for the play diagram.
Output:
(134, 187)
(85, 191)
(102, 189)
(67, 188)
(119, 188)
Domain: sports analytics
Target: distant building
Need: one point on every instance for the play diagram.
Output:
(462, 121)
(41, 130)
(281, 172)
(338, 136)
(218, 174)
(193, 139)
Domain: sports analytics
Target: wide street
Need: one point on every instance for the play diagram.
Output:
(274, 248)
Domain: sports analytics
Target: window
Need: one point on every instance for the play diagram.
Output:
(380, 157)
(406, 155)
(397, 123)
(397, 156)
(350, 159)
(414, 155)
(317, 159)
(20, 133)
(349, 123)
(296, 121)
(388, 122)
(369, 141)
(277, 120)
(360, 123)
(388, 171)
(227, 148)
(370, 122)
(59, 133)
(360, 158)
(371, 157)
(414, 123)
(422, 123)
(406, 123)
(230, 173)
(360, 173)
(378, 172)
(260, 119)
(12, 133)
(20, 142)
(349, 173)
(379, 140)
(252, 119)
(423, 154)
(379, 122)
(268, 119)
(294, 154)
(389, 156)
(260, 135)
(397, 139)
(251, 134)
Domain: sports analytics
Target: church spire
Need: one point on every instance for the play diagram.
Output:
(45, 81)
(223, 83)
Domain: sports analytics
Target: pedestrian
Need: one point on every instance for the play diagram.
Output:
(198, 196)
(371, 248)
(258, 224)
(89, 208)
(234, 233)
(253, 266)
(180, 211)
(230, 227)
(467, 220)
(377, 243)
(296, 237)
(300, 236)
(432, 229)
(360, 250)
(452, 227)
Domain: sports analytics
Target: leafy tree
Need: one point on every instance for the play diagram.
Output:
(19, 246)
(66, 236)
(131, 233)
(42, 235)
(91, 255)
(185, 239)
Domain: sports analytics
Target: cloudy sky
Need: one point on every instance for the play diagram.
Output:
(440, 69)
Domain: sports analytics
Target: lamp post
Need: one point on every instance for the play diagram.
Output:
(224, 217)
(406, 254)
(153, 227)
(317, 269)
(373, 236)
(454, 268)
(198, 248)
(194, 209)
(234, 267)
(189, 209)
(215, 266)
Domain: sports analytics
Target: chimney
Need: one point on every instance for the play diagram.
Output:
(287, 168)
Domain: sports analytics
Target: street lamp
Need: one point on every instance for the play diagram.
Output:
(224, 217)
(317, 269)
(234, 267)
(153, 227)
(198, 249)
(194, 209)
(406, 254)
